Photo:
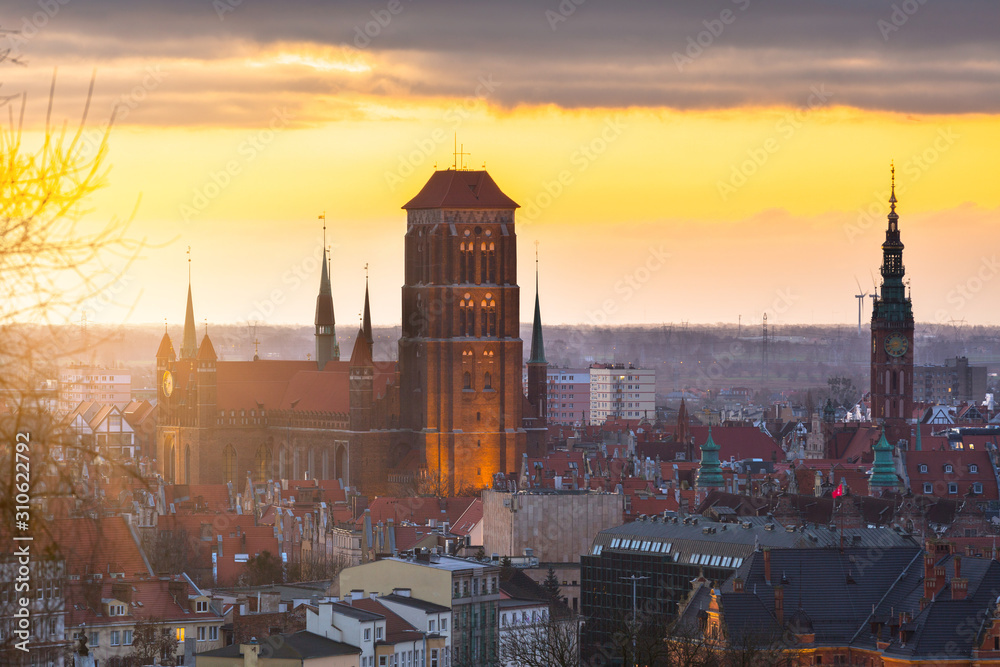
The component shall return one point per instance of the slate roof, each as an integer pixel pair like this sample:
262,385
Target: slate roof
417,603
296,646
837,589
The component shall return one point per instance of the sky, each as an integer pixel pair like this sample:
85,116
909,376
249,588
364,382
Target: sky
675,162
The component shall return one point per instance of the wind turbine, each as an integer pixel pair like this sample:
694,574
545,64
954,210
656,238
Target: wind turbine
861,302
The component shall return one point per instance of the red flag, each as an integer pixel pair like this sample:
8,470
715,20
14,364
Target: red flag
839,491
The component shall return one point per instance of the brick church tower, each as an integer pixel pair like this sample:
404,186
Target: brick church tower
892,338
460,354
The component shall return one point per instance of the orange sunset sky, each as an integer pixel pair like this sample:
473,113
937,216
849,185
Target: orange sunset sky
698,162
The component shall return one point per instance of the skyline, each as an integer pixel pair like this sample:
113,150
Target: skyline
751,176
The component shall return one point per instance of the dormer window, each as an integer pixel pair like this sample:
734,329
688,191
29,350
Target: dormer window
948,468
201,606
923,468
973,468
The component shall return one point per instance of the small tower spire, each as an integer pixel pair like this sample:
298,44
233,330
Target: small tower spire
327,348
366,322
537,344
189,343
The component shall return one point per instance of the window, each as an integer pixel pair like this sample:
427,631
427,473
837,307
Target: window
444,624
977,488
383,660
948,468
430,625
213,633
923,468
952,487
201,633
368,634
95,638
928,487
127,637
973,468
467,381
434,658
201,605
180,635
115,636
378,632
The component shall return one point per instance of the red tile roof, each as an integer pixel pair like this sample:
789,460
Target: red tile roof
151,598
469,518
95,545
396,628
460,189
960,461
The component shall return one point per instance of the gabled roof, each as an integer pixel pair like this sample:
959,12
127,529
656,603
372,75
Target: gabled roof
97,545
460,189
396,628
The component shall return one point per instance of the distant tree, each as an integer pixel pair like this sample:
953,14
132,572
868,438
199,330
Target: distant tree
551,584
505,561
262,570
548,643
153,642
842,391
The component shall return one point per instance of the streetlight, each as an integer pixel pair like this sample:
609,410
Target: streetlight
635,629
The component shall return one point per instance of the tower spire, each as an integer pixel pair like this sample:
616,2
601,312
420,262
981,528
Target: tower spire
327,348
537,344
189,343
366,323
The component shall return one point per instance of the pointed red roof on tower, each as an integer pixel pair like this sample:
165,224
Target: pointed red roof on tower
362,354
207,351
460,189
166,349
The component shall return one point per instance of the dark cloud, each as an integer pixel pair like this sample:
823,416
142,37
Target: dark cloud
930,56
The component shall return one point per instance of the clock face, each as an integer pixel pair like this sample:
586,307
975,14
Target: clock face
896,345
168,383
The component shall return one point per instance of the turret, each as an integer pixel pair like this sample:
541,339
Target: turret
538,370
327,348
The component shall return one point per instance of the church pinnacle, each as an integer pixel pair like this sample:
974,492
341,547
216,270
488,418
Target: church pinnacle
189,343
327,348
537,345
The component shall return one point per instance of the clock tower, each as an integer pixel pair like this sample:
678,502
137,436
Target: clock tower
892,338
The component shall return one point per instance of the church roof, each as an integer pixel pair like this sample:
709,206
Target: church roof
460,189
206,352
166,349
362,354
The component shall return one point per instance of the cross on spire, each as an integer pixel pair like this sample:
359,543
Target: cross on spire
459,153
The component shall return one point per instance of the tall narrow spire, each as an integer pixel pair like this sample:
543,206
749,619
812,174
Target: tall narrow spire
327,348
709,468
189,343
366,323
537,345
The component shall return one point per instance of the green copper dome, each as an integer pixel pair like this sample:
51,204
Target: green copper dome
884,470
709,470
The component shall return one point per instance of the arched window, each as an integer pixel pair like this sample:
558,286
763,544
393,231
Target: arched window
487,381
491,263
262,464
483,264
467,380
461,318
470,318
489,316
465,261
229,464
187,464
484,322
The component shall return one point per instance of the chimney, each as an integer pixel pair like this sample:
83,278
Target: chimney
767,565
959,585
737,585
779,605
250,652
958,567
